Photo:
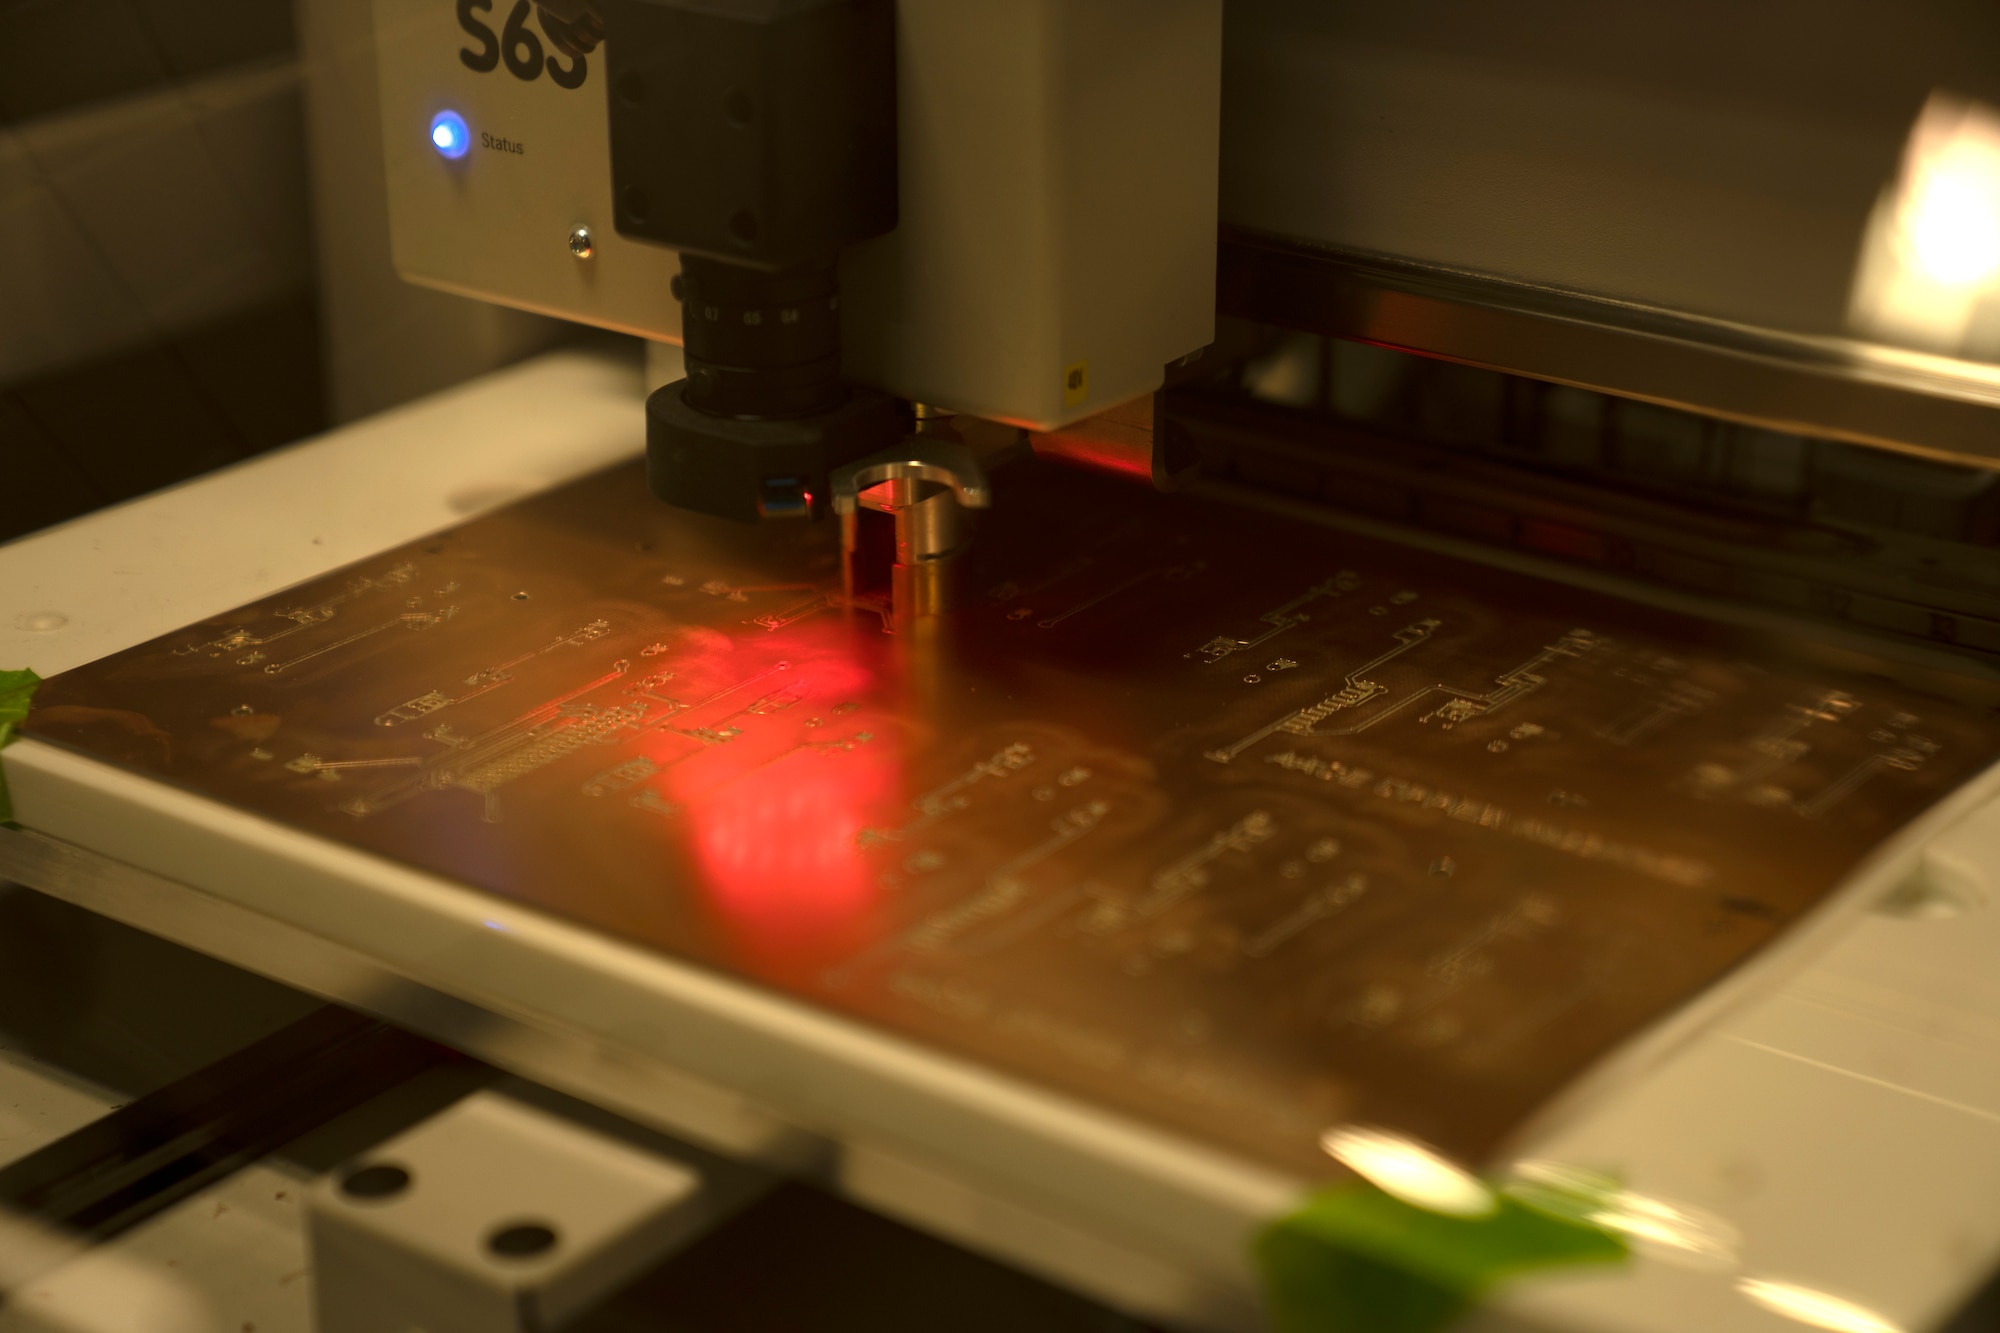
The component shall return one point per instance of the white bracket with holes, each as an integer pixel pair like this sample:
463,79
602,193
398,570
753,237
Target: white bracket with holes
491,1217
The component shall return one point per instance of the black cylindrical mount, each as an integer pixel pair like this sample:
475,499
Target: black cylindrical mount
757,138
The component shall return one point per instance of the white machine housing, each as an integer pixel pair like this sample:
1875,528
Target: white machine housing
1057,196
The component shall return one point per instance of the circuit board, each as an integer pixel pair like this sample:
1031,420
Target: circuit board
1238,824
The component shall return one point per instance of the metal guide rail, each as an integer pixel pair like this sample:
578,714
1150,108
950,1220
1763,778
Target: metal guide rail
1227,821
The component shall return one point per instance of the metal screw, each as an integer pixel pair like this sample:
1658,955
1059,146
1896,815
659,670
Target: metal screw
580,243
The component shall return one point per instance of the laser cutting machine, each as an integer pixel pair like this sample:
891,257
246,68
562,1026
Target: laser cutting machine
1420,754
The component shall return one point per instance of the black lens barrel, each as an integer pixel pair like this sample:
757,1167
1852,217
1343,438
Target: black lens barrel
761,345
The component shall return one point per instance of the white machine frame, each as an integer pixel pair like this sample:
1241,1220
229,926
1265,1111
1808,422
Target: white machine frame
1057,185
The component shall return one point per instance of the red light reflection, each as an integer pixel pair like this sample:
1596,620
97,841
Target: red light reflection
1106,454
775,812
780,853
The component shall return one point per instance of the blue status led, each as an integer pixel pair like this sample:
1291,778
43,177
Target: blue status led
450,136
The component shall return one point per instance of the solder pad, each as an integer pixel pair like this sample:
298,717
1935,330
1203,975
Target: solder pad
1232,822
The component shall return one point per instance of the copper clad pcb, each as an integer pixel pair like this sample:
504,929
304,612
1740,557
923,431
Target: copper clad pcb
1234,823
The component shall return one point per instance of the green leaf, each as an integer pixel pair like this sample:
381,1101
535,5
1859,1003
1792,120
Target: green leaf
1356,1260
17,694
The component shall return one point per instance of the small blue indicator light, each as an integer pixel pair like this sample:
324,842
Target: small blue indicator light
450,136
